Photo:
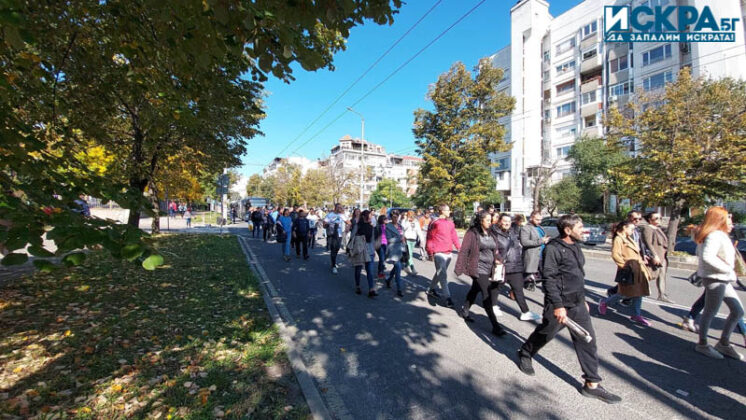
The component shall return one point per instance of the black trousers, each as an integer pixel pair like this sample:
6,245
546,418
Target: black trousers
312,239
333,242
516,281
268,228
489,291
587,352
301,242
257,229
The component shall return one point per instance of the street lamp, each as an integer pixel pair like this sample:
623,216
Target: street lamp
362,153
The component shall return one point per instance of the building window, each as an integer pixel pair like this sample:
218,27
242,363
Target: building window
656,55
588,54
566,45
618,64
566,109
546,115
567,131
565,67
563,151
623,88
547,56
566,87
546,75
588,97
657,81
590,121
502,164
590,28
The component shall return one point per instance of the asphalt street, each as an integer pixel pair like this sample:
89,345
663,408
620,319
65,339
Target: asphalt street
411,357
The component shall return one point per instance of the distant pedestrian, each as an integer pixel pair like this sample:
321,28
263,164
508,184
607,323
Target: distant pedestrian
335,223
564,286
477,258
301,230
188,217
632,274
313,219
716,266
362,252
234,214
284,226
381,244
412,234
441,239
395,251
256,218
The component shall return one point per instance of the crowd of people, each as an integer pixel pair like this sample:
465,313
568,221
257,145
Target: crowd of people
500,252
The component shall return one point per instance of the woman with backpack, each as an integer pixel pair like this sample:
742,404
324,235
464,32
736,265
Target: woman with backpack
632,275
362,252
478,259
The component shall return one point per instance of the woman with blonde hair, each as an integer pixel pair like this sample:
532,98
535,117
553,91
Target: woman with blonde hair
716,266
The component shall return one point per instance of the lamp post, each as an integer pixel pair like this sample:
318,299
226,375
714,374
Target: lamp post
362,153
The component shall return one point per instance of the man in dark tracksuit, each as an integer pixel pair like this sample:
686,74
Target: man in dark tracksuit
564,297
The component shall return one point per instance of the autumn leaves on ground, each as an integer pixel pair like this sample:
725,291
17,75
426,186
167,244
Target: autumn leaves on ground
110,340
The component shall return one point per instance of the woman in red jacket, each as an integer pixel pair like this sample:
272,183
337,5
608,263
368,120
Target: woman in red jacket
477,259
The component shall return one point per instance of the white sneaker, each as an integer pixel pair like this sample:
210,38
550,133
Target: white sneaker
497,311
530,316
728,351
334,270
689,325
708,351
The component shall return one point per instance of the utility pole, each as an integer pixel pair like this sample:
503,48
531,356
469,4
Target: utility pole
362,154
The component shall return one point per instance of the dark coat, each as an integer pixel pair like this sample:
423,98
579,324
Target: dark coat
509,246
563,274
468,256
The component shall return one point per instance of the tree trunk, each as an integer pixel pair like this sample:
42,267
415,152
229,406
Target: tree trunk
155,226
136,185
673,223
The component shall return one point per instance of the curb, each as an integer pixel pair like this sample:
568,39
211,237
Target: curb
316,404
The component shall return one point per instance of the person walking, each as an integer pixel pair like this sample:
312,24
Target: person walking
656,241
268,224
716,266
689,322
284,227
335,223
395,250
533,239
564,297
301,231
362,252
380,245
313,219
256,219
441,239
510,251
635,217
412,233
188,217
478,258
632,274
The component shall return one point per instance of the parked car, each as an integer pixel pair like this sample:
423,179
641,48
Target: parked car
592,234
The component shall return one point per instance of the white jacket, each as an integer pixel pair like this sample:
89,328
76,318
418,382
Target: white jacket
717,257
412,231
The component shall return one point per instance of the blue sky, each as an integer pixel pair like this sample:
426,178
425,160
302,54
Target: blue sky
388,111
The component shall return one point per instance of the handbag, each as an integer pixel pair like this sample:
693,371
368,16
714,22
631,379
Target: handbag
624,276
498,275
695,279
740,265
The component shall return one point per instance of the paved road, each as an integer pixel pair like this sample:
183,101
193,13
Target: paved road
391,358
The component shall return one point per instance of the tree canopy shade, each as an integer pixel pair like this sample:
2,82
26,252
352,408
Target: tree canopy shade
457,137
388,194
154,84
690,145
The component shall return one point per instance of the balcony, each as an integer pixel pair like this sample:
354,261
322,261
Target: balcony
591,39
591,63
594,131
590,109
590,84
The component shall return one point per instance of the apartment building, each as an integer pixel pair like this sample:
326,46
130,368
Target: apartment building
564,76
353,154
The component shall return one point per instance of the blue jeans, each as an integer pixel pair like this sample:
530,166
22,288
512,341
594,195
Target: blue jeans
381,259
396,272
636,303
368,272
286,247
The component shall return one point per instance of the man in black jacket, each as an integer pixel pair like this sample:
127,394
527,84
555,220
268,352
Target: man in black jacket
564,297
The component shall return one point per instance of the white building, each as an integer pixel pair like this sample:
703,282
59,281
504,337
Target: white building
304,163
564,76
352,154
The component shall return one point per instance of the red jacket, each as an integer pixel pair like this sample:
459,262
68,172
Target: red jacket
441,237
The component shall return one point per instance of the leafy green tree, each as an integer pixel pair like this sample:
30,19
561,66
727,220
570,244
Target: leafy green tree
148,81
593,159
457,137
563,196
316,187
254,186
690,145
288,188
388,194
